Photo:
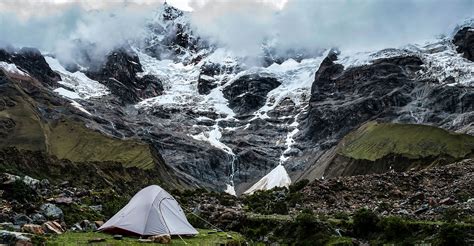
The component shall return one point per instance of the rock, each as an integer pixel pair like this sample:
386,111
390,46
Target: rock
6,226
31,61
119,74
419,196
118,237
96,240
229,236
76,227
447,201
248,93
38,218
44,183
9,178
11,238
422,209
34,229
87,225
464,41
97,208
145,240
63,200
53,227
64,184
98,223
23,242
51,211
21,219
163,239
31,182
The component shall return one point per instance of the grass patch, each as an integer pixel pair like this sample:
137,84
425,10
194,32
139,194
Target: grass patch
68,139
203,238
374,141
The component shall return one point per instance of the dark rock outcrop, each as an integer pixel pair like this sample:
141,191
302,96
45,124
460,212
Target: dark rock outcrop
119,74
32,62
343,99
206,80
249,92
464,41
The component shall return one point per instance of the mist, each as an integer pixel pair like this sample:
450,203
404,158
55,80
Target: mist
313,24
242,26
75,32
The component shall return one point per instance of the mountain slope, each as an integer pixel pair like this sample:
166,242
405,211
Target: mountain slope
383,147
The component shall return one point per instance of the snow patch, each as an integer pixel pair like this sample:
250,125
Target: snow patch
82,86
230,190
67,93
278,177
80,107
11,68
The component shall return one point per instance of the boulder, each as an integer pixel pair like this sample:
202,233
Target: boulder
31,182
88,225
9,178
38,218
63,200
53,227
33,229
44,183
118,237
163,239
51,211
21,219
98,223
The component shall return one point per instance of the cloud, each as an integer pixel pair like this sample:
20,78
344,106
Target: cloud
59,26
313,24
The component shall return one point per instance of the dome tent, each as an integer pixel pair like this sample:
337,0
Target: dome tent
152,211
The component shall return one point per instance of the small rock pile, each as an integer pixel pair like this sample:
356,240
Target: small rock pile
32,207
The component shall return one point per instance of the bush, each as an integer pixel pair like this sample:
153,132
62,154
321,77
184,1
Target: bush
365,222
451,215
450,234
73,213
111,205
298,185
19,191
394,227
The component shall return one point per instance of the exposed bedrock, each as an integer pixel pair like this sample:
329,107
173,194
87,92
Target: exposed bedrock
464,41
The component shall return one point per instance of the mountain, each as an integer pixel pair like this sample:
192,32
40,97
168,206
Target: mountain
194,114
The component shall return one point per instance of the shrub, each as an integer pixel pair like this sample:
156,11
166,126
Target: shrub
298,185
19,191
451,214
450,234
394,227
112,204
365,222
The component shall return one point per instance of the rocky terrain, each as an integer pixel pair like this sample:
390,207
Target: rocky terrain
43,207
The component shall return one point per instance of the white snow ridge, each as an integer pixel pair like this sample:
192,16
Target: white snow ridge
278,177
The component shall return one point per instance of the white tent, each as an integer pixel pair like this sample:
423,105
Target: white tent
152,211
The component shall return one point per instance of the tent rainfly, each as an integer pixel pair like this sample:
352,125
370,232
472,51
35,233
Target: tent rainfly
152,211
